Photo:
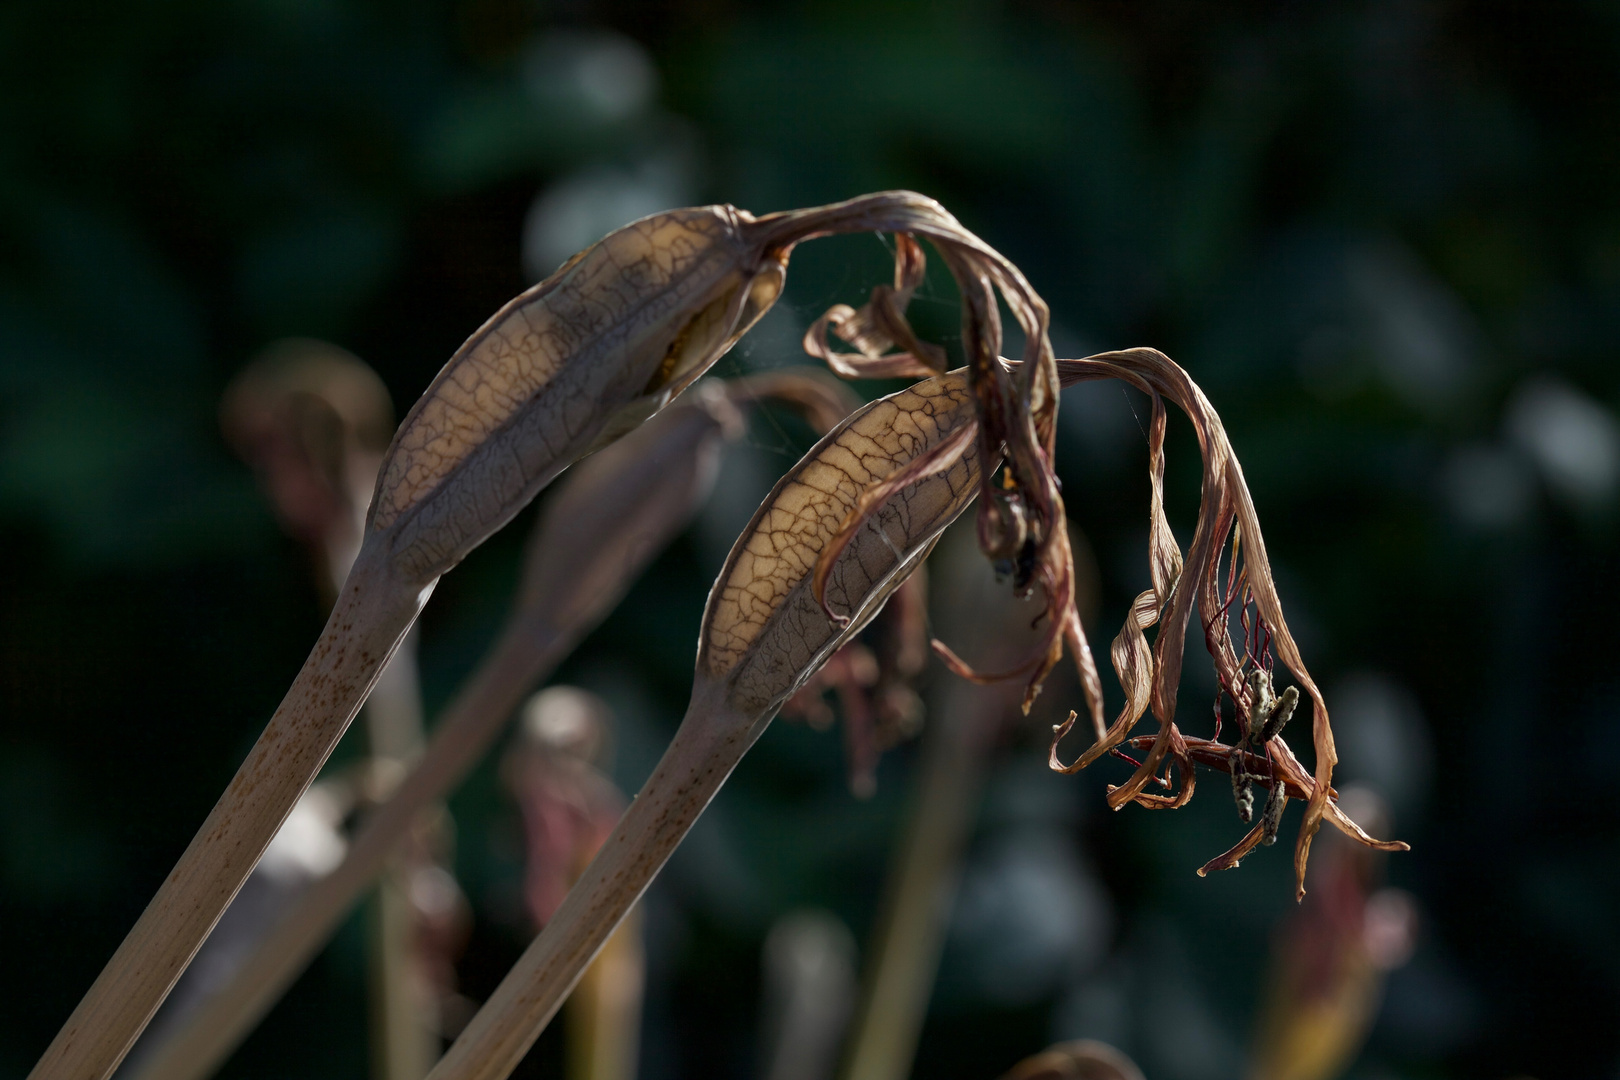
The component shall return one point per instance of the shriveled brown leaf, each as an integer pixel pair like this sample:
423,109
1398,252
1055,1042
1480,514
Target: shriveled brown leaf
1228,530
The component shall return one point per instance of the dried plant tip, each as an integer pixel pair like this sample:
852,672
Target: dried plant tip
763,636
1085,1059
312,420
1261,702
1004,529
573,363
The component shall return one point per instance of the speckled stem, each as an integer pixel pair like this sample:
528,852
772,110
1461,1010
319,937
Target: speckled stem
372,615
470,724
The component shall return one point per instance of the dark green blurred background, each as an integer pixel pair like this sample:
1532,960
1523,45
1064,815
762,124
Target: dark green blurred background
1384,237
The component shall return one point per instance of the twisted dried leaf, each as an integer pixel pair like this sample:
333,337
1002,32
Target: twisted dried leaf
764,634
1227,526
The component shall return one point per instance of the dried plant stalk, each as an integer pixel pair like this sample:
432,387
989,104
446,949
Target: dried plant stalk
906,946
763,635
604,1017
367,623
313,420
567,366
612,515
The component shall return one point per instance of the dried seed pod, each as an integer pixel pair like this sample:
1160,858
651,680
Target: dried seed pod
1242,786
765,630
567,366
1271,817
764,633
1086,1059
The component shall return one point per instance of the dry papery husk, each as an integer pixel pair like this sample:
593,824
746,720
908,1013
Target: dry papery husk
1229,529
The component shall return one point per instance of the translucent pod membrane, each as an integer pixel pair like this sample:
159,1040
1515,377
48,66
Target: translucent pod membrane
764,633
564,368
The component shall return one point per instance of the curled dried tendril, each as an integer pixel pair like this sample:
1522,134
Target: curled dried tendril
879,327
1228,531
1020,498
1020,507
1021,515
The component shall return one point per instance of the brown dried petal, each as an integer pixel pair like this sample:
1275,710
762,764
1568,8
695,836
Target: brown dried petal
879,327
1226,513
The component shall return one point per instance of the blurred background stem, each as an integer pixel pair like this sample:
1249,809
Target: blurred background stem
922,884
404,1027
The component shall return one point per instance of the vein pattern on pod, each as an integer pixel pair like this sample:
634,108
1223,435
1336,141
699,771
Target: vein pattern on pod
764,633
574,363
571,364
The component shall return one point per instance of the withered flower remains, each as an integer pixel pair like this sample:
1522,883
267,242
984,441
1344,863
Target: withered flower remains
601,345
